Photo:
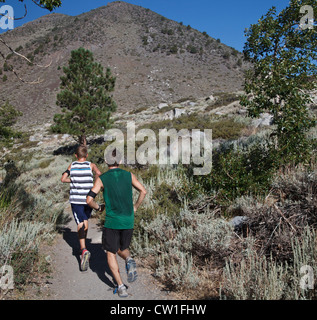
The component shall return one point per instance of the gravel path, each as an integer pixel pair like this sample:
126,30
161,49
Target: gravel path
69,283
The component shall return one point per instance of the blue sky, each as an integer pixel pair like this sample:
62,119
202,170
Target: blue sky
225,20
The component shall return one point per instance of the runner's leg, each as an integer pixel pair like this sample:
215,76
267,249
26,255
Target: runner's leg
114,267
82,234
124,254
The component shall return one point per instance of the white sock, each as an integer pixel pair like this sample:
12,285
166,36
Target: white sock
121,285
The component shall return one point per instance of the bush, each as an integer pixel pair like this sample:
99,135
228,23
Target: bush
226,55
180,238
145,40
5,67
184,240
180,230
178,271
166,189
19,48
259,278
223,128
240,172
192,49
254,278
30,212
167,31
290,209
19,247
174,49
223,99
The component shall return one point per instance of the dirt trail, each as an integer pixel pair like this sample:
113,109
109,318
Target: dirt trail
69,283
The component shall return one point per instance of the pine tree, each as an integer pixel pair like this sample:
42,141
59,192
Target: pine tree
85,97
8,117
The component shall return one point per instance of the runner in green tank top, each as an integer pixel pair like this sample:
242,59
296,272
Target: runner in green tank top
118,228
117,193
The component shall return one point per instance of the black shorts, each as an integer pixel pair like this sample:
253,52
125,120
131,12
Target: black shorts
115,239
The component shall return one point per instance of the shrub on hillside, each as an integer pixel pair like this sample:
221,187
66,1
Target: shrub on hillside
19,243
223,128
240,172
30,210
257,277
183,242
191,243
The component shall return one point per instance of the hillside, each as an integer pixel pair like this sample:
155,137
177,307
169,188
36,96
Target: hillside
154,59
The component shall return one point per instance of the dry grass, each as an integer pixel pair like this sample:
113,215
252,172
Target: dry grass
30,211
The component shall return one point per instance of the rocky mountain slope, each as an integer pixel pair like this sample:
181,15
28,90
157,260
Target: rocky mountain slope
155,59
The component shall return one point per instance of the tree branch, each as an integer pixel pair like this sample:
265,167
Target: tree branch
12,18
22,56
17,75
25,58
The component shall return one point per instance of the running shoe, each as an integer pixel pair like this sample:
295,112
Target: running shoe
122,292
131,270
84,260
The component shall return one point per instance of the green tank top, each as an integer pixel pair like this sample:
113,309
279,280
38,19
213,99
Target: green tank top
118,199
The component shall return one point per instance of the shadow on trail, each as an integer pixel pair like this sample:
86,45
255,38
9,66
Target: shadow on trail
98,260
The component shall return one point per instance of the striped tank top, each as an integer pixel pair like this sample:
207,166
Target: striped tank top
81,178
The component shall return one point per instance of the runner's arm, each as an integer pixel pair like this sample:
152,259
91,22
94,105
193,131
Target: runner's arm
65,177
138,185
95,169
95,189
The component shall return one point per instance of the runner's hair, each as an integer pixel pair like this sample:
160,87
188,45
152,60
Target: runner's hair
81,152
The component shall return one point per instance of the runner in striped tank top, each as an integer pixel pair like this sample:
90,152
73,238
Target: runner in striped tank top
80,176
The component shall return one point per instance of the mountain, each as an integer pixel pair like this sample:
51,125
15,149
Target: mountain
154,59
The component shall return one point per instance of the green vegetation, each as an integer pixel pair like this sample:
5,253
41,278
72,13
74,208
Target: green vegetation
145,40
174,49
226,55
8,117
224,128
45,4
85,98
192,49
240,172
184,225
222,99
279,82
268,178
167,31
30,213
